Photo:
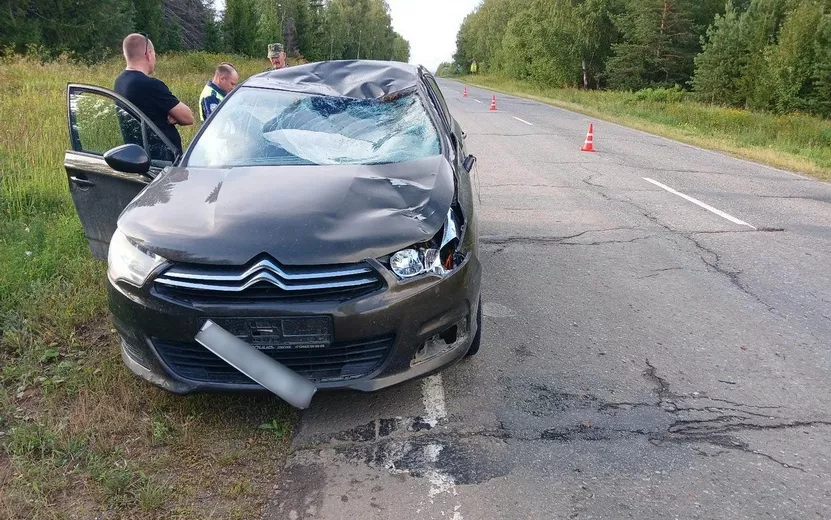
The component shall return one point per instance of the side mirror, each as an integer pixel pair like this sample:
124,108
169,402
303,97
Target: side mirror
469,162
128,158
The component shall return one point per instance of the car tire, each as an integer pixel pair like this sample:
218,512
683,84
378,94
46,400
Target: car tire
477,339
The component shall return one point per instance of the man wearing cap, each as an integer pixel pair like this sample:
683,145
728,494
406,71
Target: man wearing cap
277,56
224,80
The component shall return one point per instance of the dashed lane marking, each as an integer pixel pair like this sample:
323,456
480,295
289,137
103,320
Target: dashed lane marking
432,395
435,411
697,202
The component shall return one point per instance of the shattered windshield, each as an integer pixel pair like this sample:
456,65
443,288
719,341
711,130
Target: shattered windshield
258,127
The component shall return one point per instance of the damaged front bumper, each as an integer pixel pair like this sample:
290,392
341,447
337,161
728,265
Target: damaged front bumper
262,369
428,324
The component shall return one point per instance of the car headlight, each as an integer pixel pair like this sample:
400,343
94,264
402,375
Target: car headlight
434,257
129,262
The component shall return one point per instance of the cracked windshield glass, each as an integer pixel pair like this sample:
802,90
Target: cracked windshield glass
277,128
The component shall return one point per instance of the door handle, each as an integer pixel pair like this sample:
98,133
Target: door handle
86,183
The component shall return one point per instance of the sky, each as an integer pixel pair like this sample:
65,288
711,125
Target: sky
430,26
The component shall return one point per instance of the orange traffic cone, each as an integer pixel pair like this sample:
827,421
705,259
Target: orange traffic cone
465,93
588,146
493,102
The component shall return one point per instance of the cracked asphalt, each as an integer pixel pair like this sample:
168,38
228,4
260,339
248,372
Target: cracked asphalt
642,357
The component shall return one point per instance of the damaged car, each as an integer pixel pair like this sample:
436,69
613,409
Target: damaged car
318,233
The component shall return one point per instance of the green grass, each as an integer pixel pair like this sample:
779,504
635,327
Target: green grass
79,435
795,142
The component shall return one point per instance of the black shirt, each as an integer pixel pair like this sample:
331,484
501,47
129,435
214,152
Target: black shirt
152,97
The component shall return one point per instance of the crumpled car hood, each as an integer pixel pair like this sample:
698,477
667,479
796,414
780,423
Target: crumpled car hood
300,215
356,79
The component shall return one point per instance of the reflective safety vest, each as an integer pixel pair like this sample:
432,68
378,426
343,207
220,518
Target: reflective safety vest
209,99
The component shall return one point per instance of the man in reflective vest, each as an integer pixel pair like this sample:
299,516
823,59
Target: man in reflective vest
224,80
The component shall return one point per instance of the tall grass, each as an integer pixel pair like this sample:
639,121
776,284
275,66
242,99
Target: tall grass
34,135
80,435
797,142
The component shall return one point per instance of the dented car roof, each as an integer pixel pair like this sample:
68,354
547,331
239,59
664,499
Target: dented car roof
357,79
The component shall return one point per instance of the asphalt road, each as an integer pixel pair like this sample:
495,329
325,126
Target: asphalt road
643,356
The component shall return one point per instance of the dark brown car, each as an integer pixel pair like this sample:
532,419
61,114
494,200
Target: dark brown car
323,214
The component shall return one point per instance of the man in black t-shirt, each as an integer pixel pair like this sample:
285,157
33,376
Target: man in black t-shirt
149,94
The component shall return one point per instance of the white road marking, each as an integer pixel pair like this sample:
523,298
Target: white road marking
432,395
435,410
697,202
523,121
474,99
440,482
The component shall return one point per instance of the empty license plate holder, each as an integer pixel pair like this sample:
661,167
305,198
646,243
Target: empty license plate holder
280,333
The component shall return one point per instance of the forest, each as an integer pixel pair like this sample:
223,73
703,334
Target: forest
310,30
772,55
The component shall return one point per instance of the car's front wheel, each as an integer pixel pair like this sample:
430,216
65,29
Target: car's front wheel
477,339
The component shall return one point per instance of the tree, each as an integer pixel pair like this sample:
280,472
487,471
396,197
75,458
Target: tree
561,42
720,65
594,37
314,40
361,28
84,29
659,44
148,20
539,45
308,29
240,24
185,22
400,49
791,60
171,37
759,27
819,99
213,33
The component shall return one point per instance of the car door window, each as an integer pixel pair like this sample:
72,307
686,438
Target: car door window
439,98
100,122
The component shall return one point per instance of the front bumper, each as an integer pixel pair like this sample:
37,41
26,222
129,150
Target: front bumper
412,313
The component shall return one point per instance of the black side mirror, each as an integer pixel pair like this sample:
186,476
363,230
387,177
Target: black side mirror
469,162
128,158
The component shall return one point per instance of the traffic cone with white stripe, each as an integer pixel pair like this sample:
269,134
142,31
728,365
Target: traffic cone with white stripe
464,94
493,102
588,146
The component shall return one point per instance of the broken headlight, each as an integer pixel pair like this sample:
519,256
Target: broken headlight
434,257
129,262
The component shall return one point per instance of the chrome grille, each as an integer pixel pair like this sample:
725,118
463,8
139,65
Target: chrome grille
267,278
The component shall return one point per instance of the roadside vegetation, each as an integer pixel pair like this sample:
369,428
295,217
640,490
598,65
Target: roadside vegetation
797,142
772,55
750,77
80,436
311,30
